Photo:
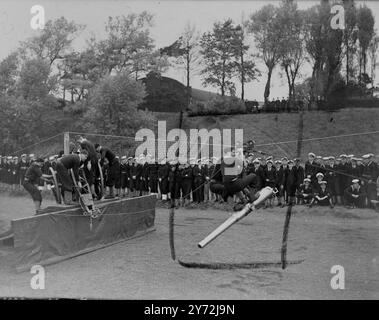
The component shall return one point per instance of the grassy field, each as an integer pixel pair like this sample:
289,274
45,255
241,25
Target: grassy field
278,133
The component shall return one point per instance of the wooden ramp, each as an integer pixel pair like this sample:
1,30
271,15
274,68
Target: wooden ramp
60,233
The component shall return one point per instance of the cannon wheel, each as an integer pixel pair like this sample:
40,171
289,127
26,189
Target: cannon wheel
57,190
102,186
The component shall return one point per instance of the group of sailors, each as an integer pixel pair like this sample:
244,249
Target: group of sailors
345,180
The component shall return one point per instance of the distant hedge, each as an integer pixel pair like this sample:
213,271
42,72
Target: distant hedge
217,106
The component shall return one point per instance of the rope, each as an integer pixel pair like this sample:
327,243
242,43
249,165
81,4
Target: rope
321,138
37,143
231,145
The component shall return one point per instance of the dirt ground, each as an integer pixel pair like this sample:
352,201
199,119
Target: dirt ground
142,268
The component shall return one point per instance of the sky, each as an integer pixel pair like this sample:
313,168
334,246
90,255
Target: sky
170,18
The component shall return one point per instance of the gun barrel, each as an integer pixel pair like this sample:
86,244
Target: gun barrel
225,225
264,194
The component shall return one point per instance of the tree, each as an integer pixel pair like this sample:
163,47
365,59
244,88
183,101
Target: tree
350,37
317,29
112,106
8,73
366,23
373,52
53,40
129,47
246,68
266,30
34,82
292,51
218,50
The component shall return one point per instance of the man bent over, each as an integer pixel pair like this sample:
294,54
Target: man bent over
32,176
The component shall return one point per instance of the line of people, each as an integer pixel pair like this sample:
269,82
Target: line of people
345,180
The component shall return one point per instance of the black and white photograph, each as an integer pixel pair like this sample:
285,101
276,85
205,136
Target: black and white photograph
183,150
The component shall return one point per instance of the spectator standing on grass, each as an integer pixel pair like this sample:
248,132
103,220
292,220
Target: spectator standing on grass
370,175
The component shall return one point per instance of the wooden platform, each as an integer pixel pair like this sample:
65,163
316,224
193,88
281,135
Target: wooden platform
62,232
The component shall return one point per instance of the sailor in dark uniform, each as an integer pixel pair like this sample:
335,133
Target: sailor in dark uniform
133,171
153,176
187,179
32,176
173,182
282,177
270,179
369,175
299,173
198,182
343,175
64,164
124,176
310,167
163,172
355,195
305,192
331,178
111,173
290,183
91,169
117,178
22,167
322,196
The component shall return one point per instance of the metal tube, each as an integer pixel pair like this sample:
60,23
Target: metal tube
263,195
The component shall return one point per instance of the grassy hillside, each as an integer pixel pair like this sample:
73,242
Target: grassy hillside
274,129
277,133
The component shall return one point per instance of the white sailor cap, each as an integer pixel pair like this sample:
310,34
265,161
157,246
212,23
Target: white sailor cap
284,159
307,180
256,160
31,155
366,156
350,156
51,158
343,156
355,181
325,158
332,158
319,174
123,158
269,161
323,182
311,154
318,157
9,158
23,155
